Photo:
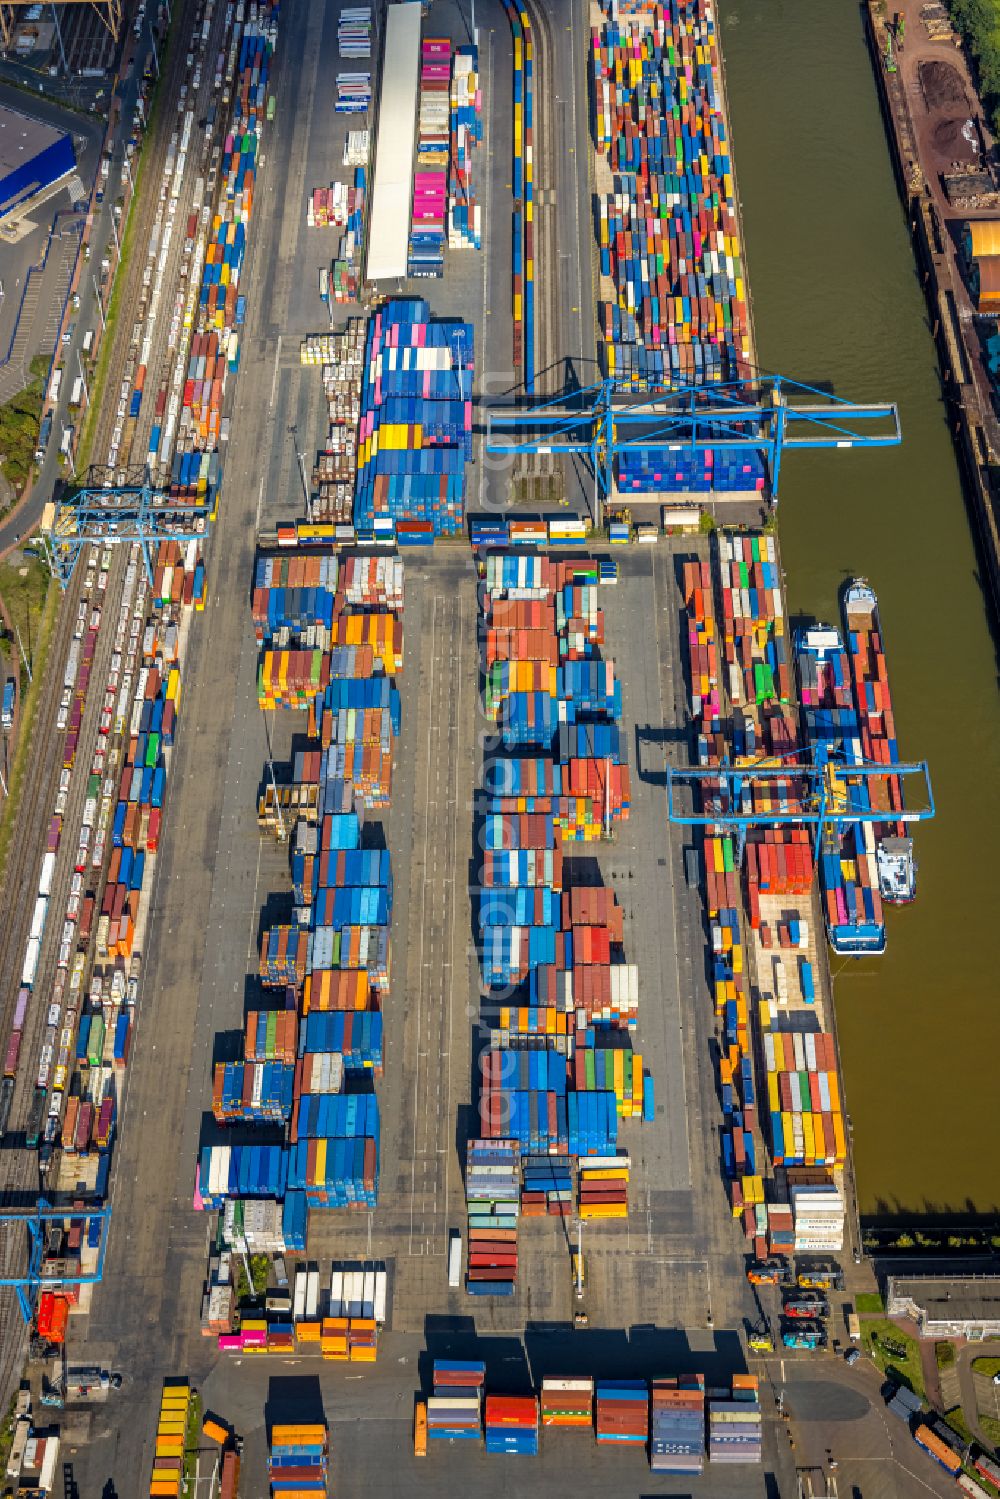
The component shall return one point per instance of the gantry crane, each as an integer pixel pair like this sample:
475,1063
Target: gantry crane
772,416
38,1273
824,803
114,506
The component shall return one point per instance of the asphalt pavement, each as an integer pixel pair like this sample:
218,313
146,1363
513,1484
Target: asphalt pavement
665,1290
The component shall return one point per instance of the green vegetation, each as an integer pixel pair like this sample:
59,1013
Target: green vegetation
894,1352
987,1366
32,600
24,586
869,1303
260,1271
979,23
706,523
7,1434
944,1355
192,1438
956,1420
990,1428
20,419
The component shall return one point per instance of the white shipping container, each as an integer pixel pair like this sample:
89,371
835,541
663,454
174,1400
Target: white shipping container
336,1292
30,967
381,1295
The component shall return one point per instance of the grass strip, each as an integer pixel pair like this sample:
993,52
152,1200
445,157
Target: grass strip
29,707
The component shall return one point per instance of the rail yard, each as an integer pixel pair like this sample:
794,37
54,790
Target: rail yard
420,905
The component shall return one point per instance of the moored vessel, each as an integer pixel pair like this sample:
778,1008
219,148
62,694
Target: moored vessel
852,905
895,862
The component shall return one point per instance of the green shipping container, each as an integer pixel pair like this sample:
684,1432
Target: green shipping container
95,1041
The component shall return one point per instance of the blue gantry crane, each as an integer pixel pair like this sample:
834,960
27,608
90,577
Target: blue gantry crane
822,800
773,416
119,507
35,1222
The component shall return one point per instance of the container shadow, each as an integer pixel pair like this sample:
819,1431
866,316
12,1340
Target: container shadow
557,1349
293,1398
649,738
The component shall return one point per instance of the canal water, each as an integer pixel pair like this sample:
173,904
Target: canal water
836,299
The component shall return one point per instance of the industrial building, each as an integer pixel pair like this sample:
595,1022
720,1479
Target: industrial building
966,1306
33,156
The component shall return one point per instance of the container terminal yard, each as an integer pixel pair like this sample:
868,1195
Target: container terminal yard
444,834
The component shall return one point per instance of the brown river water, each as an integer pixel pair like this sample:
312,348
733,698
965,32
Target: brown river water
836,299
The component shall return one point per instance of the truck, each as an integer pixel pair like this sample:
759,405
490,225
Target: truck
455,1259
804,1307
853,1327
824,1277
772,1272
44,433
806,1335
7,716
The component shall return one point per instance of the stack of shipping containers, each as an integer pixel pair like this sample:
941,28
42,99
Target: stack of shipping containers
510,1423
675,308
524,192
193,433
465,226
331,633
677,1424
298,1459
735,1424
677,1418
425,254
171,1439
847,864
454,1410
777,1062
560,1070
340,357
415,436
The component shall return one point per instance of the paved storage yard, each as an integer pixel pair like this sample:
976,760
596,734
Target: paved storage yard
670,1265
665,1289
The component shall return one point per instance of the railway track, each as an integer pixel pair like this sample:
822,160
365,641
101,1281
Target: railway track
167,361
130,273
17,899
548,343
20,1180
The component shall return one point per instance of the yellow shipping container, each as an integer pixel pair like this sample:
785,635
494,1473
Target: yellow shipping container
838,1135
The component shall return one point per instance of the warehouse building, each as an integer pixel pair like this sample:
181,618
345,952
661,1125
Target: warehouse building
33,156
966,1306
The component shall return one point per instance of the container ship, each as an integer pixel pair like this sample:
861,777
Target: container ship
897,869
852,905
